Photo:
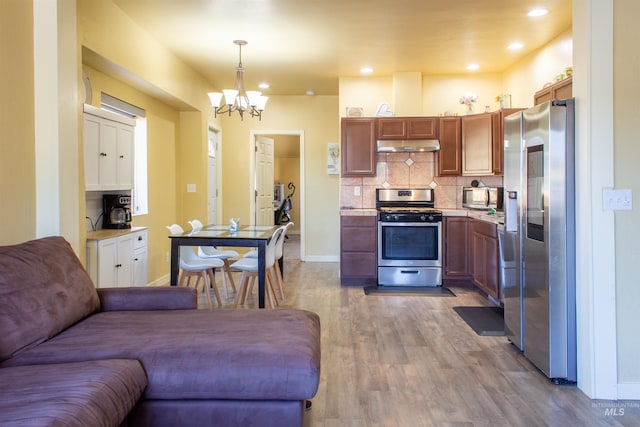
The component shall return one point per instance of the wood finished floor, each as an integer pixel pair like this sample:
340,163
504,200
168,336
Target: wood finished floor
397,361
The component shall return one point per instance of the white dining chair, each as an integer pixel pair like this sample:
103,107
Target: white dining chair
192,265
249,268
208,252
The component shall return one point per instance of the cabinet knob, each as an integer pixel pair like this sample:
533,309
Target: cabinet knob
139,238
103,154
118,265
122,156
135,259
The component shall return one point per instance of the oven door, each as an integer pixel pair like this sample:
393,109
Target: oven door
414,244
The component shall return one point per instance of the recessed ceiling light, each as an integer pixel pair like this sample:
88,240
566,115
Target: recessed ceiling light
515,46
263,85
366,70
537,12
473,67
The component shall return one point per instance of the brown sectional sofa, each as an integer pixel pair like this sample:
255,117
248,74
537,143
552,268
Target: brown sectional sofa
200,367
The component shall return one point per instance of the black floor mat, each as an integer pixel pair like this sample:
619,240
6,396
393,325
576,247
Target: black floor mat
425,291
485,321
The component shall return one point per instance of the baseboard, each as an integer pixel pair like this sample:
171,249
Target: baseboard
321,258
629,391
161,281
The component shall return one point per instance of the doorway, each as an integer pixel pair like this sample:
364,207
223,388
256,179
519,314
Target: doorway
288,166
213,180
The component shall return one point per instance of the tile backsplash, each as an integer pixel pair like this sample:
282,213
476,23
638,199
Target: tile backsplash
408,170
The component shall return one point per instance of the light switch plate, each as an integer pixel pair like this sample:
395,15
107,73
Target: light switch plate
191,188
356,191
617,200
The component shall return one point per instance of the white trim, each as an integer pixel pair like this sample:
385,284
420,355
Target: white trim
629,391
301,190
595,231
219,204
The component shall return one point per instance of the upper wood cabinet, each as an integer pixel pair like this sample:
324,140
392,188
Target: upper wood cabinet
450,154
560,90
477,148
408,128
358,147
498,138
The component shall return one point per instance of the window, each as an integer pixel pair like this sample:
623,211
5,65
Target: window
140,195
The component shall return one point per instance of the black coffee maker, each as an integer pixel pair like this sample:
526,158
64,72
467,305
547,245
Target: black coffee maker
116,211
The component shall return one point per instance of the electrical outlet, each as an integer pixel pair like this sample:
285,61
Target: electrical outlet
617,200
356,191
191,188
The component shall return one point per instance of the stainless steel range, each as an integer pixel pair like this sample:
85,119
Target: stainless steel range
409,238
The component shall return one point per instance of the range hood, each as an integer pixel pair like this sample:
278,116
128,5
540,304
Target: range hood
407,145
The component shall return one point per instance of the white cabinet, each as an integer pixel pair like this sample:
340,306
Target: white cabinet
118,261
108,150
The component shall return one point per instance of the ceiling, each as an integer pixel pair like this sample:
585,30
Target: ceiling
302,45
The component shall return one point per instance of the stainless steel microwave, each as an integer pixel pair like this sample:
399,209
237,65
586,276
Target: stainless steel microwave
482,198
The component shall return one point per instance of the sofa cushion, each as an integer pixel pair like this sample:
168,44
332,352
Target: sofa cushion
200,354
43,290
99,393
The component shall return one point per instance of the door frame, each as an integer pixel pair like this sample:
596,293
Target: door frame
301,187
217,129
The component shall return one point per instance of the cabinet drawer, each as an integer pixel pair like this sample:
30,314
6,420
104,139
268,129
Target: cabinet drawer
358,239
359,221
140,240
485,228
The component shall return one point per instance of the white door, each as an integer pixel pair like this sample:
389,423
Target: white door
212,197
264,181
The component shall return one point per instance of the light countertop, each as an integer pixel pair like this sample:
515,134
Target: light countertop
110,233
497,218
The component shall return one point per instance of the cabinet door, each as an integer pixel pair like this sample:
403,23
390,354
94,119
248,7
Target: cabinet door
140,266
92,158
543,95
358,157
125,260
125,156
450,154
497,157
107,263
477,145
109,154
456,243
392,128
563,89
422,128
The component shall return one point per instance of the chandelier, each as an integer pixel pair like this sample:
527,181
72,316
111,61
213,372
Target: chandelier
237,99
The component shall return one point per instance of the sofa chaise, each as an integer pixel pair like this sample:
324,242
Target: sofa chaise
143,356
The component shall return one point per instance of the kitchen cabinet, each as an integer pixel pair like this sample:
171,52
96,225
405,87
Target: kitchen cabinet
497,157
455,255
450,154
108,150
560,90
477,148
358,250
483,257
408,128
118,261
358,147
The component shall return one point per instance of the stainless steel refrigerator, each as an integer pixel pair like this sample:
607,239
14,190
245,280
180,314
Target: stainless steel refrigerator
537,245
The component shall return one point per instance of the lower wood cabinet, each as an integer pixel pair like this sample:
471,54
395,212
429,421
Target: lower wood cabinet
118,261
483,257
358,250
455,256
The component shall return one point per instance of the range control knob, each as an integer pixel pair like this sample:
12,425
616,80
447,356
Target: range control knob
423,217
395,217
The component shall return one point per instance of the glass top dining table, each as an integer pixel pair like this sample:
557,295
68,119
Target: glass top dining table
256,236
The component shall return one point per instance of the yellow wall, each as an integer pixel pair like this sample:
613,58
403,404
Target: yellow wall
317,117
163,122
530,74
17,146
